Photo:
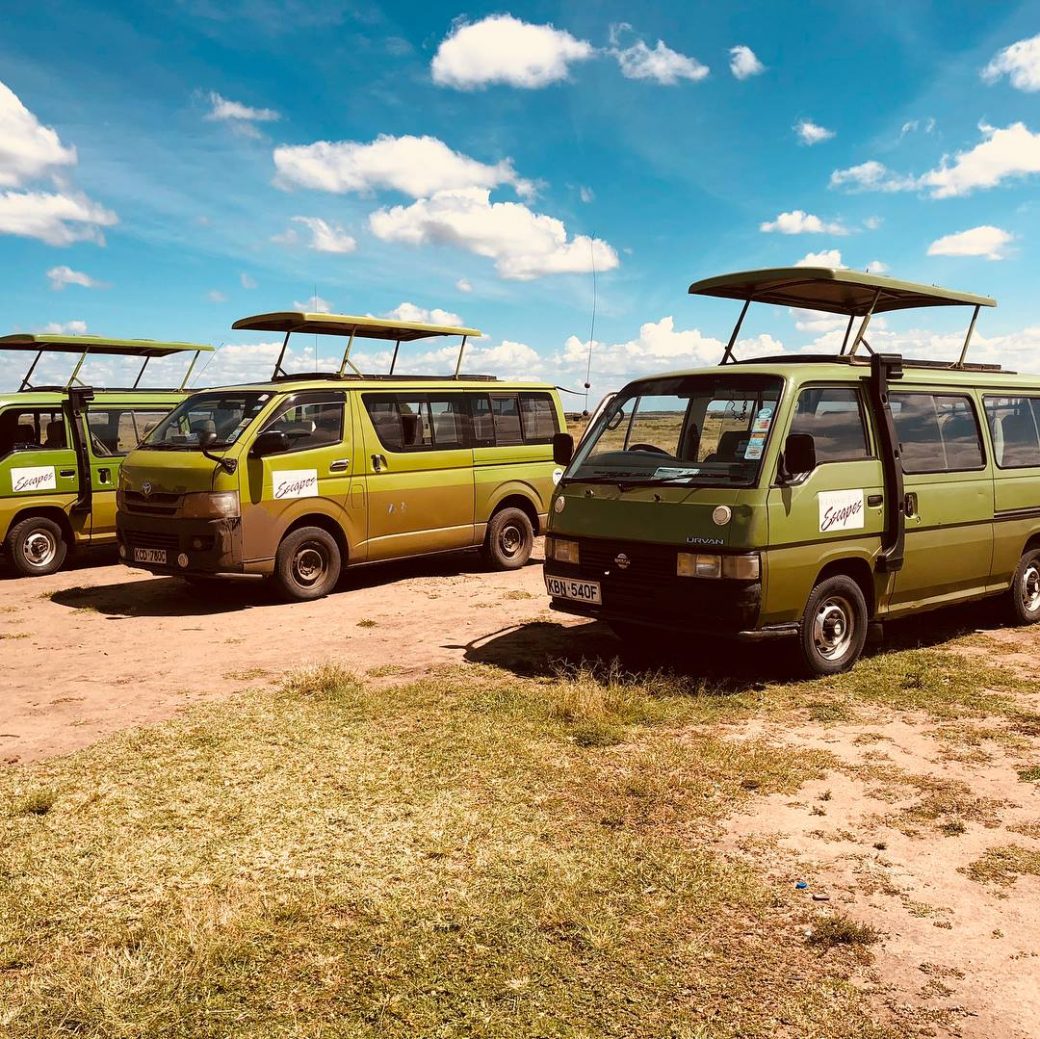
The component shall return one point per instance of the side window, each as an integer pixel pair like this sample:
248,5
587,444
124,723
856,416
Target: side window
483,420
833,417
144,422
448,417
407,422
1013,429
506,413
539,418
117,431
937,432
308,420
26,430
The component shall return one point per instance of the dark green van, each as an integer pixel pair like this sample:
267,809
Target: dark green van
804,496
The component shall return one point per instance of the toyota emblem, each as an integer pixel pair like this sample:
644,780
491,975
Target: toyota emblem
622,561
146,489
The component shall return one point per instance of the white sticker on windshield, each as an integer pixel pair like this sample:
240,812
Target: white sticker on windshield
33,478
762,424
755,446
841,510
295,483
673,473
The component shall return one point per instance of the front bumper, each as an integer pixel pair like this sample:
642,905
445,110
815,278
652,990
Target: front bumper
211,545
648,591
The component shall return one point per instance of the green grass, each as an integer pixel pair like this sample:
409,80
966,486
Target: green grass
454,860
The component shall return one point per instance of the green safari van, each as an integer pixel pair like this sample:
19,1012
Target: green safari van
800,495
297,477
61,447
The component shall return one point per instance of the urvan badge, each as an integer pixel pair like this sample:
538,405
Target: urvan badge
295,483
841,510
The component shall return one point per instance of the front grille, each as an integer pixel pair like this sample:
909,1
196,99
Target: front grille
646,562
158,503
150,539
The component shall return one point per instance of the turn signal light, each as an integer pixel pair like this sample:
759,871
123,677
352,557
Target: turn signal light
562,550
747,567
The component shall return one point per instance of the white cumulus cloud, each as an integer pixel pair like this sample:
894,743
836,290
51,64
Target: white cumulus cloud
54,218
1020,63
744,63
325,237
659,63
71,328
415,166
987,241
799,222
504,49
812,133
464,285
27,149
313,305
423,315
826,258
223,110
870,176
877,267
61,276
523,244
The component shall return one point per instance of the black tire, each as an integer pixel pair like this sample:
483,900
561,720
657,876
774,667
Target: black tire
834,627
307,565
1023,597
36,547
509,540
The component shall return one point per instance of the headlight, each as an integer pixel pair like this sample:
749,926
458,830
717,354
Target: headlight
562,550
204,505
746,567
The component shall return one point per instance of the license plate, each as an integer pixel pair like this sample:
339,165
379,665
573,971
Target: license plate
150,555
572,588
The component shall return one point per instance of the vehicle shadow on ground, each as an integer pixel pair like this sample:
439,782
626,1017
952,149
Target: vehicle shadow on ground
174,597
81,559
545,648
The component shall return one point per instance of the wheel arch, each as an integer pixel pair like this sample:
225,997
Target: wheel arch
858,570
51,512
326,523
518,500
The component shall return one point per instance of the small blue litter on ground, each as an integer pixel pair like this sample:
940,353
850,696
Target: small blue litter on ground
801,885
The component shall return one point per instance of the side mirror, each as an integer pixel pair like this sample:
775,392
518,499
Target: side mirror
563,448
207,438
272,442
799,454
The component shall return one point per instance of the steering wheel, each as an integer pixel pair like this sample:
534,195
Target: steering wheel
649,447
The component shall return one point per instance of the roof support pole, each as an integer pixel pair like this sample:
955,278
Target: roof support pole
141,372
74,377
727,354
28,375
967,338
346,355
278,369
865,323
393,360
848,331
462,350
187,374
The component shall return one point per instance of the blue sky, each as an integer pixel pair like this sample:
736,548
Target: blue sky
162,171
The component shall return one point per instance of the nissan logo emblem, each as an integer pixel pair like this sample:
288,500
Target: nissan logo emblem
622,561
146,489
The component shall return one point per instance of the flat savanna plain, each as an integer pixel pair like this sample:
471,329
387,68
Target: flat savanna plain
426,806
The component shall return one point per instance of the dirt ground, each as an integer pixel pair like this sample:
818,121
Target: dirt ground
100,648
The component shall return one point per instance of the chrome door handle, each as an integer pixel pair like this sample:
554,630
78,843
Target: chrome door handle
67,472
341,465
379,463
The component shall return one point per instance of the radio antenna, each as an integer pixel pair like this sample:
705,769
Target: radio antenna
315,334
202,371
592,330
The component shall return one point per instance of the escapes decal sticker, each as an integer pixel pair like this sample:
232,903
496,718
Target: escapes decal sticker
33,478
295,483
841,510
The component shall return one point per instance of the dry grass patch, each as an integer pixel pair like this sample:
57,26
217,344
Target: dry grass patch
1004,865
327,860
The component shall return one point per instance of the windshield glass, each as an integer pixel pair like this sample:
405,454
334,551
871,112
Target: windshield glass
224,412
688,429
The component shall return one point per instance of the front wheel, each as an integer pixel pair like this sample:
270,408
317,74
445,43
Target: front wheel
834,627
308,564
36,547
510,538
1024,593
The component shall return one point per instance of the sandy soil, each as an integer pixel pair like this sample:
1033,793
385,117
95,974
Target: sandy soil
102,647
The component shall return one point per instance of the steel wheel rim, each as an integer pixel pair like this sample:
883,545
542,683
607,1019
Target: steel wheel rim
1031,588
833,627
310,564
40,548
511,539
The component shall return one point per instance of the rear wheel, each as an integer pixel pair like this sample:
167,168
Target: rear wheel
37,547
510,538
1024,593
834,627
308,564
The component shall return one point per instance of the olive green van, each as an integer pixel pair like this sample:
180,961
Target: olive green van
297,477
810,496
61,447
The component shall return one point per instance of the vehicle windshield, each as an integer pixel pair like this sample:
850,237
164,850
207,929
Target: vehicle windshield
691,429
226,413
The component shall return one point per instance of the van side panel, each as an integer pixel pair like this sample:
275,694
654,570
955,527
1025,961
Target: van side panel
503,471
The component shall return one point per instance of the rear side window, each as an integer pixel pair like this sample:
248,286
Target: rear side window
309,420
1014,431
538,417
117,431
937,432
833,416
506,411
26,429
418,422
